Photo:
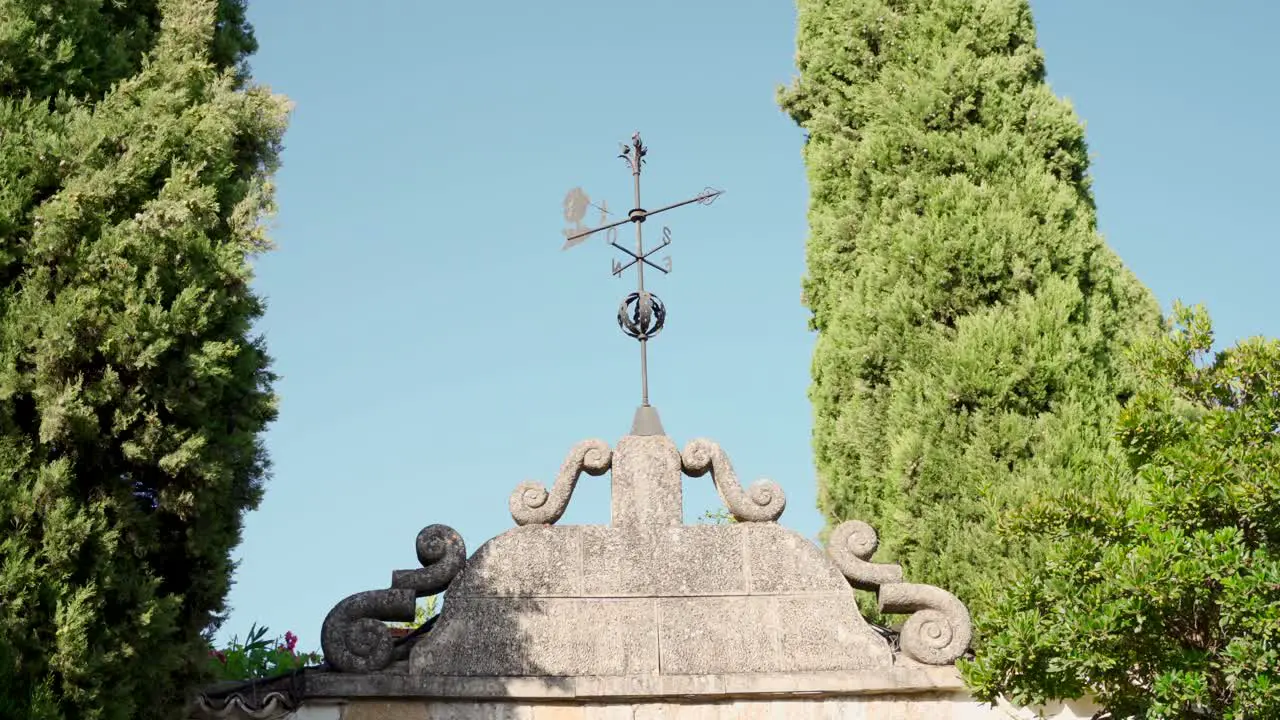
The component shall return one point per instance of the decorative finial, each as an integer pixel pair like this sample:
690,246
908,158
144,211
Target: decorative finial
634,153
641,315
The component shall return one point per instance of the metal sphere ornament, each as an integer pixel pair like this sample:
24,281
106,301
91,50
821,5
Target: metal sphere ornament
642,315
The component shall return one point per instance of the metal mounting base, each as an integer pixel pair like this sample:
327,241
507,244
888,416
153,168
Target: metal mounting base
646,422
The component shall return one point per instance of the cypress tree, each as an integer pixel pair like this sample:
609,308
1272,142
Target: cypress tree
969,317
135,154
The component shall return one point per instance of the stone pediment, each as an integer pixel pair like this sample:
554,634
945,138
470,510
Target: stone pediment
645,596
637,600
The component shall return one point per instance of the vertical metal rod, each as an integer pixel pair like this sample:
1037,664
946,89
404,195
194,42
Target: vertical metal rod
639,221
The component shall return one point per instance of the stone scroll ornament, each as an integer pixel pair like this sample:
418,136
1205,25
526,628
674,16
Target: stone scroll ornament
939,629
355,637
764,501
532,504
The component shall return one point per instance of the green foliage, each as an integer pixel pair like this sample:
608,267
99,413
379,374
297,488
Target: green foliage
80,48
1161,596
425,611
718,516
968,314
135,162
257,657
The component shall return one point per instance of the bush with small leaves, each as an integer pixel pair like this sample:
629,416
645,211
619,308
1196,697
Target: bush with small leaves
1160,597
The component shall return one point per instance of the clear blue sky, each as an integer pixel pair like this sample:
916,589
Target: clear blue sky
437,347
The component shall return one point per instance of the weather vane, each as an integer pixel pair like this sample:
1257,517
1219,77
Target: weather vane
642,314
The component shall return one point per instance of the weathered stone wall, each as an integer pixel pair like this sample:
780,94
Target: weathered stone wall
683,600
940,706
919,693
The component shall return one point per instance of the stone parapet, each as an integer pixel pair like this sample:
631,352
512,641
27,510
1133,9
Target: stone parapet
606,689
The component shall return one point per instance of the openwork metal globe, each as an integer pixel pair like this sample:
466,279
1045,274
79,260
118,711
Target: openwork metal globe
642,315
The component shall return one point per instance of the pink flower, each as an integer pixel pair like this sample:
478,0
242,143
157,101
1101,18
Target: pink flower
218,654
290,641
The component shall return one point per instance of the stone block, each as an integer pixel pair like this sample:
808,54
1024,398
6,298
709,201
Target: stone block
624,711
530,561
389,710
755,710
606,637
648,485
827,633
690,711
781,561
599,686
618,561
482,632
541,637
662,561
702,686
699,560
716,635
838,709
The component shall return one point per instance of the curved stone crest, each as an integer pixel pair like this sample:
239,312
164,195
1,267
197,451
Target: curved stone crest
764,501
355,637
939,629
532,504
